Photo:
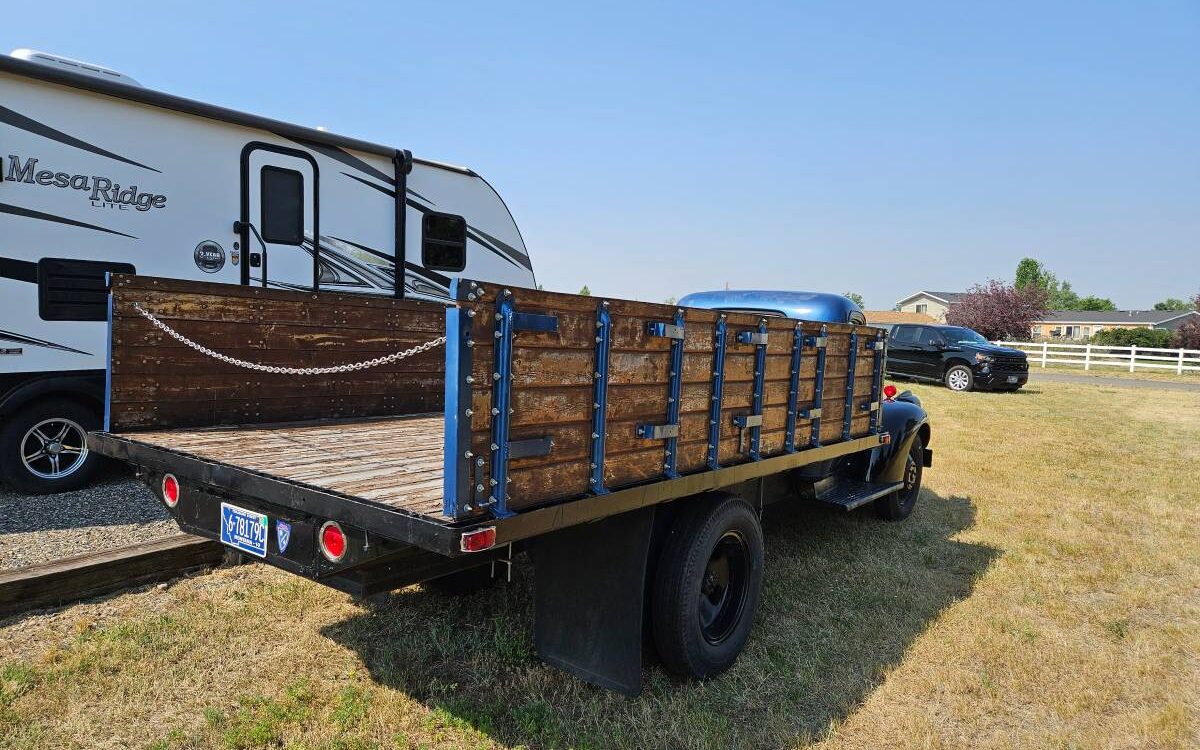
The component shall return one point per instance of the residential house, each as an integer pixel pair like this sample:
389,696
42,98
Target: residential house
1082,324
891,317
934,304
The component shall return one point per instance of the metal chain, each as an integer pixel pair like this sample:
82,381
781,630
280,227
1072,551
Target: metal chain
396,357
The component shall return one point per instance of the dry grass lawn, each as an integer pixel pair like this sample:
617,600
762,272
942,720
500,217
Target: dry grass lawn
1045,594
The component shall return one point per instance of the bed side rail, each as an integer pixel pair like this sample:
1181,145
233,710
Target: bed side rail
551,396
157,381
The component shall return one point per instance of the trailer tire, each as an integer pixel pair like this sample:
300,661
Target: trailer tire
707,585
899,505
62,461
463,582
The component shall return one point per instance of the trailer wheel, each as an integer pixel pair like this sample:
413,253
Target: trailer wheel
707,584
464,582
899,505
43,447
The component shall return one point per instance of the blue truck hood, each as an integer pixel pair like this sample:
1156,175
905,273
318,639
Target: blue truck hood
818,306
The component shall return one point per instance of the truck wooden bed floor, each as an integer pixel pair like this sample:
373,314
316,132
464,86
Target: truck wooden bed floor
395,461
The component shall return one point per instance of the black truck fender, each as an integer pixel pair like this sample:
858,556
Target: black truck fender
904,419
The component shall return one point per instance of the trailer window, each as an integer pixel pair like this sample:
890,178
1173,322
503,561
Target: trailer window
443,242
282,203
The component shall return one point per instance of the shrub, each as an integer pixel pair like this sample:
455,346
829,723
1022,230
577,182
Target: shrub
1149,337
999,311
1187,336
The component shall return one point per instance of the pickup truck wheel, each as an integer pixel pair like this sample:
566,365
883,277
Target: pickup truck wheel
707,585
43,447
899,505
464,582
960,378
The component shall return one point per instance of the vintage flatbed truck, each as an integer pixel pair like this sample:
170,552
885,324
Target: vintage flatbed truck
628,447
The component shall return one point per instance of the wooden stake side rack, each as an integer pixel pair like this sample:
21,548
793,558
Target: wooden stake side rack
538,397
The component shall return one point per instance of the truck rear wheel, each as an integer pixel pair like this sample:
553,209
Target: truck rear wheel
707,585
899,505
43,447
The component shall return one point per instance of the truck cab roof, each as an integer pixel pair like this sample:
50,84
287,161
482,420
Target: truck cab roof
818,306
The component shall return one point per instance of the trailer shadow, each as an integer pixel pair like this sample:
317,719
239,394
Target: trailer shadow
845,595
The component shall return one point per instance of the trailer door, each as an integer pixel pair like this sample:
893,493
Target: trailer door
280,217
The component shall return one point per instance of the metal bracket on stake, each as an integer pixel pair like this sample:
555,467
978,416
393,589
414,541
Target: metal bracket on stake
501,404
718,388
880,347
658,431
674,392
848,412
667,330
600,396
789,438
820,342
759,340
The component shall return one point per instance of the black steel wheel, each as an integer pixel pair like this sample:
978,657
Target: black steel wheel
899,505
43,447
707,584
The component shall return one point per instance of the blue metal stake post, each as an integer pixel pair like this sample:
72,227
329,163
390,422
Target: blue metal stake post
459,462
501,405
600,397
814,411
674,393
880,347
718,387
848,411
754,421
789,439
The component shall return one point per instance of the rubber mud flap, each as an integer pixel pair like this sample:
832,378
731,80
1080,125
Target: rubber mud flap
589,592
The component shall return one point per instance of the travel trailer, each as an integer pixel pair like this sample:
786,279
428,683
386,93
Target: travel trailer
101,175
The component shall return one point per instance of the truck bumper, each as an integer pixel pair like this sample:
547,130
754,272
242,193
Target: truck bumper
371,563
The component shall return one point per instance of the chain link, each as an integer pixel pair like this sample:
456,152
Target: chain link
396,357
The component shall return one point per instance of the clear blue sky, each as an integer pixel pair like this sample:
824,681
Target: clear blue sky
650,150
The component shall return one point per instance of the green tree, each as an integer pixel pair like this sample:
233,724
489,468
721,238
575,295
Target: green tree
1031,273
585,291
1172,303
856,298
1091,302
670,301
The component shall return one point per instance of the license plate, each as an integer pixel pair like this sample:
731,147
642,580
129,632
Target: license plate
244,529
1012,378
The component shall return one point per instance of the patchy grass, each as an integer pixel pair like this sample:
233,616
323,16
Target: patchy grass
1046,593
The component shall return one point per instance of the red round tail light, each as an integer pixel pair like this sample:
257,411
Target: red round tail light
170,490
333,541
889,392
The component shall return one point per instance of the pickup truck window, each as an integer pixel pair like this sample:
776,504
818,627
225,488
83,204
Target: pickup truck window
931,337
904,334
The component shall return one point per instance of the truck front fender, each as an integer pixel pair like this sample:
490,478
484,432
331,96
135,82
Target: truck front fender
904,421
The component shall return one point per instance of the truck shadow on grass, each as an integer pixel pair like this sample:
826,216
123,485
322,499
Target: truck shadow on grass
844,597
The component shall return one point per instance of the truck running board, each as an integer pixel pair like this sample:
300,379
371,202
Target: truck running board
851,493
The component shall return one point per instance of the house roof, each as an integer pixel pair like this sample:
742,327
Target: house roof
947,297
1116,317
892,316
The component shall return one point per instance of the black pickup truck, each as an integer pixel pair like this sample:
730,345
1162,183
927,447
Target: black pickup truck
959,357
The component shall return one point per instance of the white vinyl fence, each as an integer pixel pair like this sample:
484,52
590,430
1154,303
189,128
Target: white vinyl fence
1087,356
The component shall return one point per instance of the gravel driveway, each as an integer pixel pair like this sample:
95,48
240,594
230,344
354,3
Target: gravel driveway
114,512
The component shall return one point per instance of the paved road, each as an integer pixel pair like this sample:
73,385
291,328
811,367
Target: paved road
1062,377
